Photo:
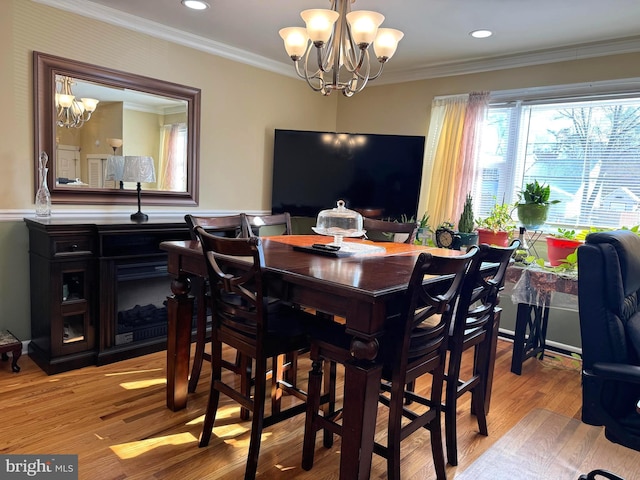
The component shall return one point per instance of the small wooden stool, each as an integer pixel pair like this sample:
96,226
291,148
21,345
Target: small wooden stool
9,343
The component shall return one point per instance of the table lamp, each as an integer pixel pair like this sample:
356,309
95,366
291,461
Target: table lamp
138,169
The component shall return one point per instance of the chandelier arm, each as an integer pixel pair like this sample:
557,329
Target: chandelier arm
308,77
379,71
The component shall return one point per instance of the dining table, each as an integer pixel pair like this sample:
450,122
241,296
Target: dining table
364,288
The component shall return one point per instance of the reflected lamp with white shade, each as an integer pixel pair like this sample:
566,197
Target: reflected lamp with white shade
138,169
114,169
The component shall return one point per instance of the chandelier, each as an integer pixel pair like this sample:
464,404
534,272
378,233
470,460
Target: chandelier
341,38
70,111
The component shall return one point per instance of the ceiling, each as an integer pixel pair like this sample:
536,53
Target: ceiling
436,42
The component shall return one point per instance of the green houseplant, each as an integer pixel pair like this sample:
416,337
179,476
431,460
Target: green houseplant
496,228
424,230
466,224
533,204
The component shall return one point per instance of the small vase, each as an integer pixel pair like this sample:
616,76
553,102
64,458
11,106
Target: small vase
43,197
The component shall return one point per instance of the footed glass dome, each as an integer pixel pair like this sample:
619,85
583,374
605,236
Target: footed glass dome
339,222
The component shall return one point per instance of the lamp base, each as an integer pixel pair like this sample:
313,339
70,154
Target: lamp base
139,217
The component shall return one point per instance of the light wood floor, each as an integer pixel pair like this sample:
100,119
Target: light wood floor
114,417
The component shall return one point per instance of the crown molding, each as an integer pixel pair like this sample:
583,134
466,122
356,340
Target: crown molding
121,19
562,54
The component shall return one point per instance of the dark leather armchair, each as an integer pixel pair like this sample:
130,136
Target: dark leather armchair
609,303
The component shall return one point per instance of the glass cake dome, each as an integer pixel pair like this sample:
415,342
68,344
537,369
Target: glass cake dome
339,222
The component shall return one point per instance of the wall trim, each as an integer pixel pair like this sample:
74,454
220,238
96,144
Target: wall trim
92,214
154,29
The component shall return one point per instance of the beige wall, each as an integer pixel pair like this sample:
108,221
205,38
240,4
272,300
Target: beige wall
241,107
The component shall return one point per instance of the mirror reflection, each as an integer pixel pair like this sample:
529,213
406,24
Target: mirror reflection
95,122
92,121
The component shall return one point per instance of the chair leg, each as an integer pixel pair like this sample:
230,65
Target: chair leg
258,419
214,394
437,449
330,407
276,378
313,404
394,430
451,407
480,367
244,369
201,337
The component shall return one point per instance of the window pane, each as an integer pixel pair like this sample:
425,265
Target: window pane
588,152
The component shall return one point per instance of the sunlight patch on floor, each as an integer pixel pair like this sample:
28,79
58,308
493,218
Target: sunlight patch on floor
135,449
143,383
242,443
133,372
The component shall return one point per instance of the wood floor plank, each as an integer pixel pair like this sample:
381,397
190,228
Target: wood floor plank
114,418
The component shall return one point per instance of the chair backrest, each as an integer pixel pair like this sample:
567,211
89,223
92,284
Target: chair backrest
609,310
280,222
233,226
384,227
424,313
479,293
237,291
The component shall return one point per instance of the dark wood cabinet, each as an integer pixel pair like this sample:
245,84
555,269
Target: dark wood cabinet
97,289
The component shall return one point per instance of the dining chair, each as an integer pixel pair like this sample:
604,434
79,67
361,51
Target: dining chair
387,230
414,345
229,226
474,325
276,224
246,318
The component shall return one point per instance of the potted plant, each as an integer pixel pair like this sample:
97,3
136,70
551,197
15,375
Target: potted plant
496,228
562,244
466,224
424,230
533,204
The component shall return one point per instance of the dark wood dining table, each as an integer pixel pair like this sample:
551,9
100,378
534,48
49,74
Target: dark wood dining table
364,289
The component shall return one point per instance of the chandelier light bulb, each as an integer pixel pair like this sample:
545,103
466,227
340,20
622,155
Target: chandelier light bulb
295,41
319,24
64,100
364,26
89,104
386,43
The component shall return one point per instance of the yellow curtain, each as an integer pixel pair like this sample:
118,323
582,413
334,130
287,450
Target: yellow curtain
451,148
442,154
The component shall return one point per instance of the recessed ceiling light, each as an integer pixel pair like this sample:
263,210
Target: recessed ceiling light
481,33
195,4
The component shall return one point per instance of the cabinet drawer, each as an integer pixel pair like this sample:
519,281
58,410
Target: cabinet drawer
67,246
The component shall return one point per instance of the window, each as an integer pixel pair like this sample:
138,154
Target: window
587,150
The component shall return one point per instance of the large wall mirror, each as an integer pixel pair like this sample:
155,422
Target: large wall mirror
90,120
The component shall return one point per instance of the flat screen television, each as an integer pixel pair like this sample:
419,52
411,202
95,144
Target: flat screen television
376,174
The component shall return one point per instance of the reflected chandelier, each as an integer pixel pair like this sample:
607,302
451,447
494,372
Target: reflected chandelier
71,113
341,38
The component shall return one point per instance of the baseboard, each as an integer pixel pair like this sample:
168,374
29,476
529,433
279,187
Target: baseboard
557,347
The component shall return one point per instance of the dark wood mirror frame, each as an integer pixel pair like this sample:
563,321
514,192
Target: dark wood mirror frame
45,69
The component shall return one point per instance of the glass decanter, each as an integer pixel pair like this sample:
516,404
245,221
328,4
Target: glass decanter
43,196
